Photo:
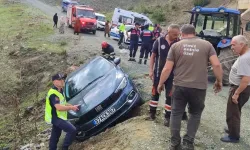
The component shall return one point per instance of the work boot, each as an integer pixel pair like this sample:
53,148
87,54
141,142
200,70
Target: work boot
140,61
177,147
145,61
130,59
185,117
151,116
167,122
186,145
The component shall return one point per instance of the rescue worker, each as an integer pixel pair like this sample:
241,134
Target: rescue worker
157,61
55,19
121,33
134,38
158,27
107,48
56,114
151,28
77,26
107,29
146,37
156,34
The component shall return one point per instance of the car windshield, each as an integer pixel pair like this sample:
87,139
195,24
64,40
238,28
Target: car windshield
87,75
85,13
101,18
216,23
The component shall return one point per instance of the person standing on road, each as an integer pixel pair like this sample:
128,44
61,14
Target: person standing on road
121,33
107,29
146,37
134,39
239,92
55,19
56,114
62,23
190,57
157,61
77,26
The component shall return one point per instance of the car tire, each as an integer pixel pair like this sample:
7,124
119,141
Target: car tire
94,32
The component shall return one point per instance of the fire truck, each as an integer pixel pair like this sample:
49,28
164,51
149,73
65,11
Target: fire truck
86,15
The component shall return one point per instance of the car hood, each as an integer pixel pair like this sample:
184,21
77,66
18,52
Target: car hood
83,19
97,92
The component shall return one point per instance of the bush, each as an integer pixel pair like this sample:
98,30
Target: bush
159,15
201,2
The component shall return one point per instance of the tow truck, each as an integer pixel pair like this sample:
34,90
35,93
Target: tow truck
87,17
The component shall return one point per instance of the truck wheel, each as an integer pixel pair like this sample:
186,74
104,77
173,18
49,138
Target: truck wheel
227,59
94,32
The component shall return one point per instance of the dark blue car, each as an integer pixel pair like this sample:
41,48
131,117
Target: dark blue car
103,91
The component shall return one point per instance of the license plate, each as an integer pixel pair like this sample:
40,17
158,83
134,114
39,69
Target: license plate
105,115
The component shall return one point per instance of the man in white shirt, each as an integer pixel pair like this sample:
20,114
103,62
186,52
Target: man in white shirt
239,93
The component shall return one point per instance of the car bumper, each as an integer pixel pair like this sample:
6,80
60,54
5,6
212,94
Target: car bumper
88,28
123,105
114,36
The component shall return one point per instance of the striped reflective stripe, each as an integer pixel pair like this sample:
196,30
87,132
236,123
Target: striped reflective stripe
159,55
153,103
167,107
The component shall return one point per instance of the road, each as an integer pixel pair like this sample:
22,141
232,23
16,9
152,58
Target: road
213,119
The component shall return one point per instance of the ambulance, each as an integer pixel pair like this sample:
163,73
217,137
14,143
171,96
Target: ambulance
129,17
87,17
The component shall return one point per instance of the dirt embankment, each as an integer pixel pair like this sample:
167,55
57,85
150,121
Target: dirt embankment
134,134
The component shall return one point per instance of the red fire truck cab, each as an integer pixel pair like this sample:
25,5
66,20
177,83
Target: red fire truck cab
87,17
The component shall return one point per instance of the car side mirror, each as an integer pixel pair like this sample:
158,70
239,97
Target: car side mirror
117,61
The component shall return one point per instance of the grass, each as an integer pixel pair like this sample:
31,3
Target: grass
30,28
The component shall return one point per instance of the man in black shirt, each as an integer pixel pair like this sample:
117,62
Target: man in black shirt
157,61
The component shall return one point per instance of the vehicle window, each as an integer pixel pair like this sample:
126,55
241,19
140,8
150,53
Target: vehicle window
101,18
87,75
248,26
139,20
213,23
127,20
85,13
128,27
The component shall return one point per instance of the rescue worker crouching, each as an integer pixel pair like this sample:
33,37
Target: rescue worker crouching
134,38
146,37
56,114
108,50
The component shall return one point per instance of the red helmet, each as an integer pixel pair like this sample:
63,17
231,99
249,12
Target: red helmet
104,44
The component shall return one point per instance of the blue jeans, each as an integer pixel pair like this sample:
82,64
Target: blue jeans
58,126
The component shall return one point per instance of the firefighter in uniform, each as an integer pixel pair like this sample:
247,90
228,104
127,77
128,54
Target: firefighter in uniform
134,38
157,61
56,114
146,37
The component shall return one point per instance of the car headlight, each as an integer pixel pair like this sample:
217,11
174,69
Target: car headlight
122,85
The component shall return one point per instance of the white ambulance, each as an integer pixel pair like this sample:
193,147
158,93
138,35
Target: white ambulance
129,17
